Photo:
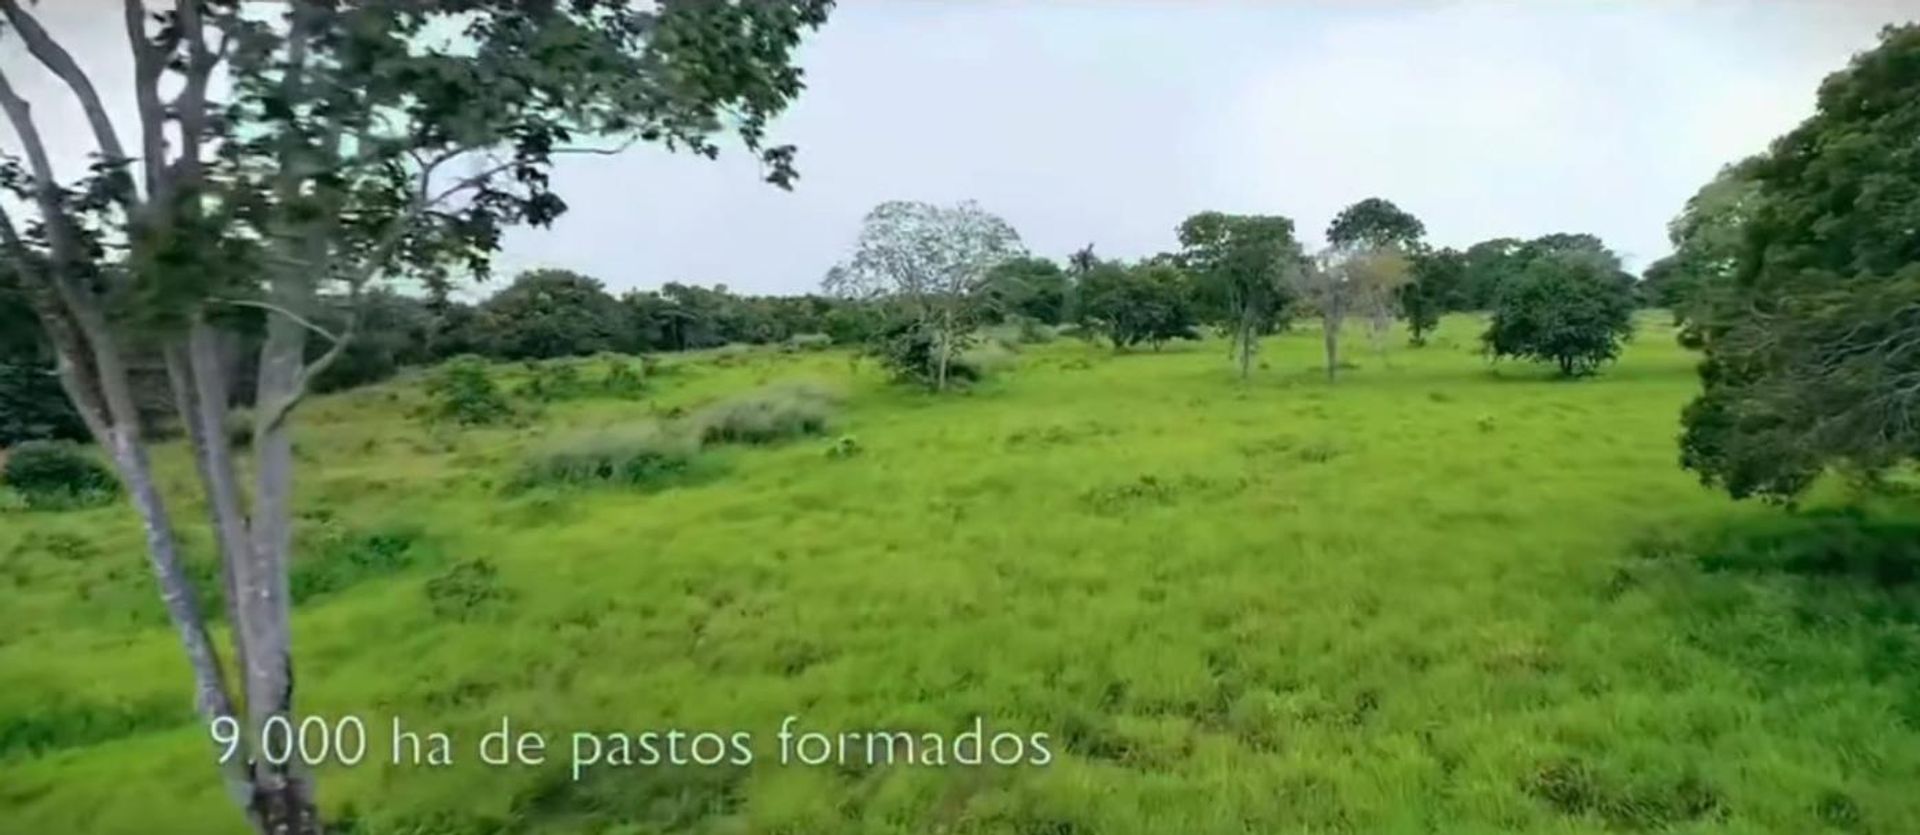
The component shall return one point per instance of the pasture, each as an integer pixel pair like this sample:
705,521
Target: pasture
1436,596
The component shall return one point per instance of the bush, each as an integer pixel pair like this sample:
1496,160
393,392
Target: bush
767,415
33,406
463,392
911,351
52,474
640,456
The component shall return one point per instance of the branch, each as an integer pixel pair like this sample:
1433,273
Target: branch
56,58
274,308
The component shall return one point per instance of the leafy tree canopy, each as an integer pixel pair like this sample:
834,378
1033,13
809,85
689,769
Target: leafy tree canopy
1566,308
1813,341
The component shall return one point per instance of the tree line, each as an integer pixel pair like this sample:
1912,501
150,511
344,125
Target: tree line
1241,276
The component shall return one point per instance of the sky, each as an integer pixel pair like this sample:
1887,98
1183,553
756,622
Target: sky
1109,122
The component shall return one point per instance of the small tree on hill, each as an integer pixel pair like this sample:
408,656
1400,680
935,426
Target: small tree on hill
1568,309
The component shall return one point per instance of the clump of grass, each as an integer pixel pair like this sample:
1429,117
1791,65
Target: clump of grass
807,342
985,360
467,590
462,392
640,456
766,415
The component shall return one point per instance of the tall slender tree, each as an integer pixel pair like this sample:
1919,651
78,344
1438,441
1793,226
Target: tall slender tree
350,147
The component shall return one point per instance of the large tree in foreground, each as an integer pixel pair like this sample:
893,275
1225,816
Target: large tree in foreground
358,140
1813,340
1241,263
928,264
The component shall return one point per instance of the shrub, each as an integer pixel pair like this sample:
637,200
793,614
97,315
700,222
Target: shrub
766,415
640,456
33,407
462,392
52,474
912,352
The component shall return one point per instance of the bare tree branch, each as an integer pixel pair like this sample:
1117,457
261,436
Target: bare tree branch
56,59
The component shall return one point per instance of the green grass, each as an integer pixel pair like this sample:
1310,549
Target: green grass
1439,596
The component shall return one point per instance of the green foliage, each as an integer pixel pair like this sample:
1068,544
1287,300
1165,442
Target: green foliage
767,415
344,559
1375,223
1277,543
1147,303
636,456
552,313
1030,286
33,406
1438,286
547,382
1241,264
623,379
1810,340
57,474
911,351
462,391
1565,309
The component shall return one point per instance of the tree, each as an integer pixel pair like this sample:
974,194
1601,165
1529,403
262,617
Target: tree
1567,308
553,313
1707,236
1241,263
1812,337
1146,302
927,263
1488,266
1343,280
351,142
1438,285
1375,223
1030,286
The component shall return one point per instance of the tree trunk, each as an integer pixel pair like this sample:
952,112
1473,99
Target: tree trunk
1246,342
1330,334
946,350
282,793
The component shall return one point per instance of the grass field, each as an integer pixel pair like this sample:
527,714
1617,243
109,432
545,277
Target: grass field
1439,596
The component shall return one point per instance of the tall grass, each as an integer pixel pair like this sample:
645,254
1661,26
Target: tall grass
642,456
767,415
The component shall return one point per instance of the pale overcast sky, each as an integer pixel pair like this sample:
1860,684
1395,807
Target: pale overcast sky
1108,122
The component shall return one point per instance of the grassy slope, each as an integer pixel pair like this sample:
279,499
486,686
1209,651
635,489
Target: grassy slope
1436,597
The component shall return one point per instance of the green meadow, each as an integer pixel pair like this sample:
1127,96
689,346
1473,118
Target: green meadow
1439,595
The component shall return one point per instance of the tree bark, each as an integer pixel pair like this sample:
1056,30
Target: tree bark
1330,334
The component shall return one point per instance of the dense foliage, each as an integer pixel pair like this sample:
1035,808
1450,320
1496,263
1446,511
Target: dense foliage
57,474
1131,304
1567,308
1813,336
